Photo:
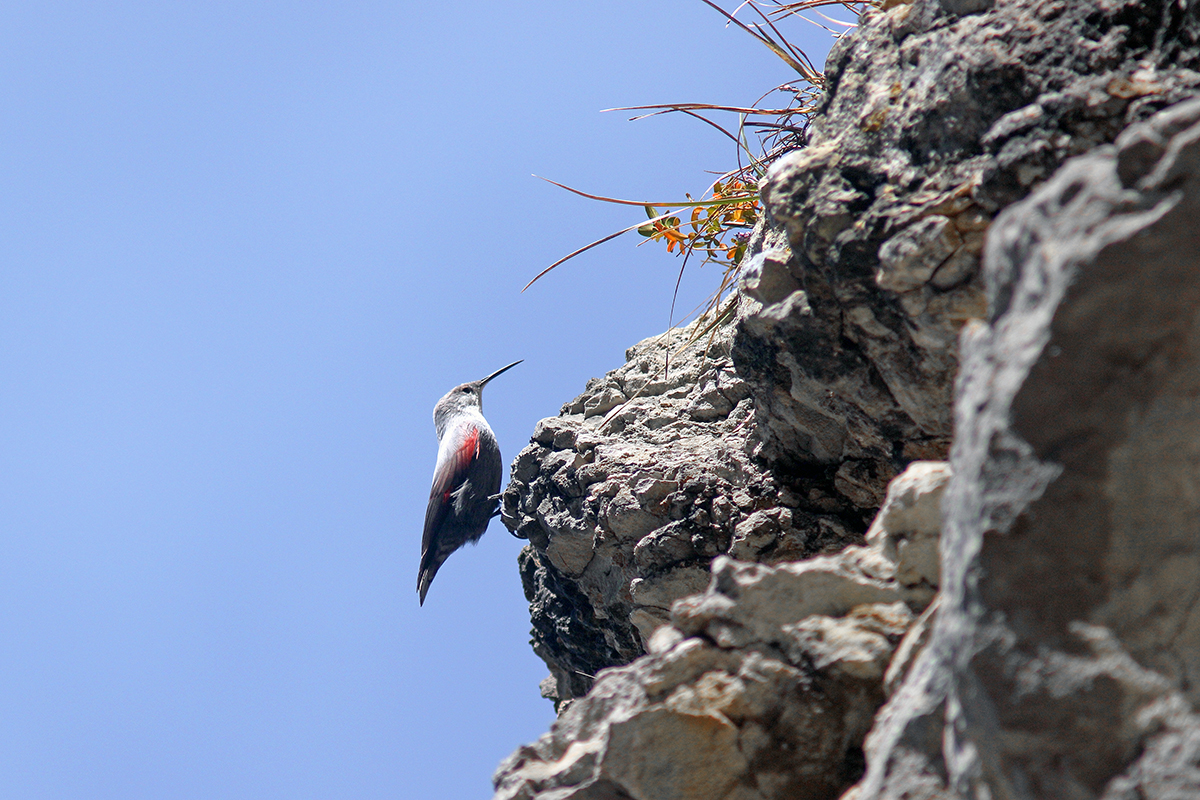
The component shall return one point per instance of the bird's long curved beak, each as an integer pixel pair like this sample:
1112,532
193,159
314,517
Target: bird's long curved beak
484,382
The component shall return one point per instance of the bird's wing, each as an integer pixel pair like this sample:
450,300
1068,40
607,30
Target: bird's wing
489,466
450,473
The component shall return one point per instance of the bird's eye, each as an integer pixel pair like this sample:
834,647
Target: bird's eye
465,390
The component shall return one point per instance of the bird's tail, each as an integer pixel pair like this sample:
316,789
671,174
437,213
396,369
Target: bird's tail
429,568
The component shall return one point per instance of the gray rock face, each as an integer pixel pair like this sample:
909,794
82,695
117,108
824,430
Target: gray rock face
936,115
761,687
852,299
1064,657
628,496
720,615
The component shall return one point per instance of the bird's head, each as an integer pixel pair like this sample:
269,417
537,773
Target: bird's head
463,397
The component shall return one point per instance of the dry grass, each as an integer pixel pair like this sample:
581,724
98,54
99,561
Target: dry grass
717,226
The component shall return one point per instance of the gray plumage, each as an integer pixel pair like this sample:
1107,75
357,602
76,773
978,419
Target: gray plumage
466,481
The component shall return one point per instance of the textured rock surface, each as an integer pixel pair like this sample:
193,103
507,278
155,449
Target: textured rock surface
847,322
628,496
934,118
1064,657
761,687
1061,658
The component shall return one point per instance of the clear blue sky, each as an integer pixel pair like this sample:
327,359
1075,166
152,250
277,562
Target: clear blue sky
245,248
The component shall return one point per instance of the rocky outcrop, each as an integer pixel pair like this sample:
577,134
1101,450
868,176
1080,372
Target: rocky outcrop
1065,655
720,614
763,686
629,494
934,118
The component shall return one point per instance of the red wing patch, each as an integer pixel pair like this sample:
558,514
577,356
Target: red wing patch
447,478
470,446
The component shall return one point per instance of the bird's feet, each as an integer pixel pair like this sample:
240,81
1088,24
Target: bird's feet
496,499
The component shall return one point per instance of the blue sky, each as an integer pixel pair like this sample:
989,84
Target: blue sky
245,248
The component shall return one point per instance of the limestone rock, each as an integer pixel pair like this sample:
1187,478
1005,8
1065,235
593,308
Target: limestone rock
760,687
1061,656
908,526
631,492
936,115
1062,661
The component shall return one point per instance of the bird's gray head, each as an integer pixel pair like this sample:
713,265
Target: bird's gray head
463,398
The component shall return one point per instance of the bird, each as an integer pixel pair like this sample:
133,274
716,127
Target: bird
466,481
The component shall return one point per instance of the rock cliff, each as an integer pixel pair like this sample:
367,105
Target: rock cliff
987,252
